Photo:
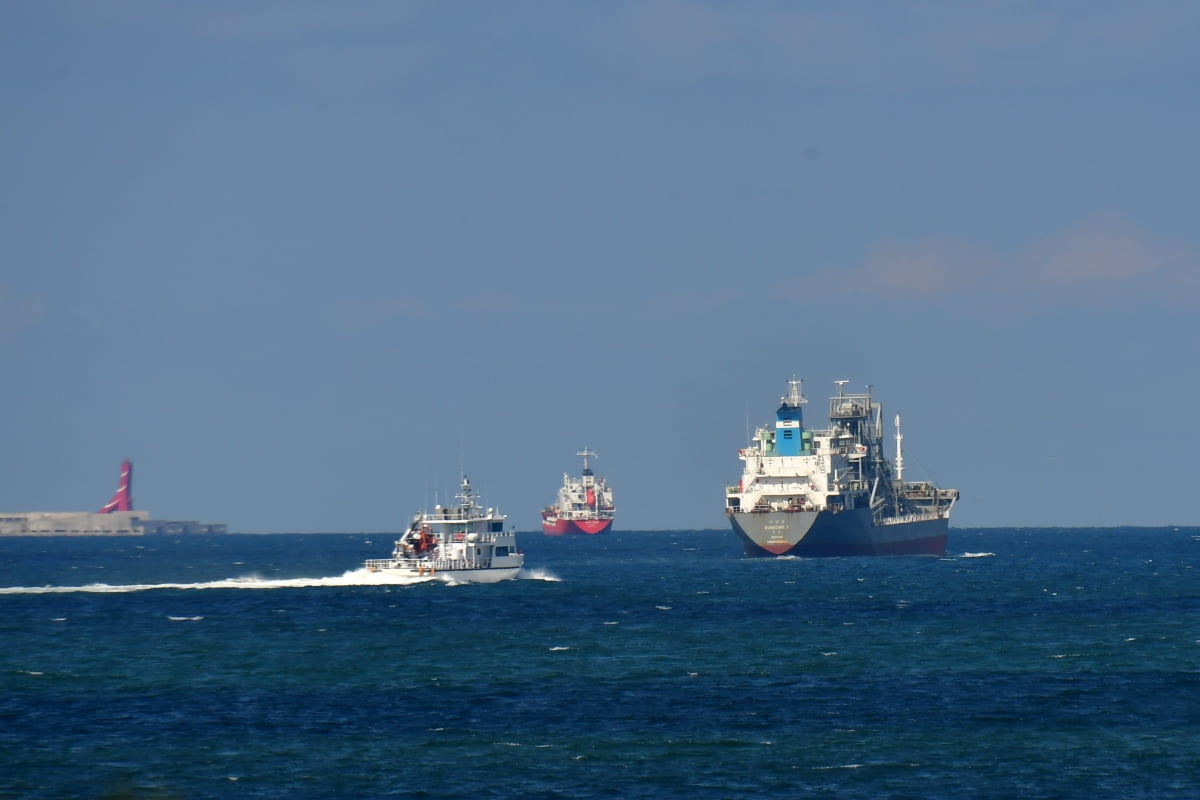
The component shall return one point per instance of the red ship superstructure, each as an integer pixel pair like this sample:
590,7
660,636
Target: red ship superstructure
585,504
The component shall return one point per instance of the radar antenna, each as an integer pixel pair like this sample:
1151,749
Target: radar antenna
795,395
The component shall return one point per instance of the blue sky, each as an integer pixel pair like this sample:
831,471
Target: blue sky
303,262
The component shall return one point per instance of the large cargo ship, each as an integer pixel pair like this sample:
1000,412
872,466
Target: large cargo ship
584,504
833,492
116,518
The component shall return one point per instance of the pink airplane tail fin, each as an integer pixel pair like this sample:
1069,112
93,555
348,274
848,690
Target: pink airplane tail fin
123,499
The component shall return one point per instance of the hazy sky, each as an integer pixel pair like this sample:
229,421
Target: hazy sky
304,261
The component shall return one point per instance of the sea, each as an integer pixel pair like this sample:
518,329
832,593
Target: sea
1026,662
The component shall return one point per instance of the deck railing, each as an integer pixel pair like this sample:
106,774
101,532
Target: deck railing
430,566
881,519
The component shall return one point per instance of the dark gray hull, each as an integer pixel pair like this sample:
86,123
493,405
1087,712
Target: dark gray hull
848,533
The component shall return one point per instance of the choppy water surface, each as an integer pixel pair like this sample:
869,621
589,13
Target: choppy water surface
1031,663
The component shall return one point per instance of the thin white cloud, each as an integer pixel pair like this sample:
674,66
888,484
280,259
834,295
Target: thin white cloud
1100,261
943,42
232,21
356,318
18,311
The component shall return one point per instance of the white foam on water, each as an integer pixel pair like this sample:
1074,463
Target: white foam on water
537,574
977,555
355,577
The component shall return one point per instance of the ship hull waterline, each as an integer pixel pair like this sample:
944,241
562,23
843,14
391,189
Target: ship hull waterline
568,527
474,575
848,533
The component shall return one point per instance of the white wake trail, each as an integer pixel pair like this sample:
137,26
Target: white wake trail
356,577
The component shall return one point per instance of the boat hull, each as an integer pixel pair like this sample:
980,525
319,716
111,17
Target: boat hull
848,533
486,575
567,527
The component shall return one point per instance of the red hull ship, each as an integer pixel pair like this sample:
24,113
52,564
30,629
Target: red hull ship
552,525
584,506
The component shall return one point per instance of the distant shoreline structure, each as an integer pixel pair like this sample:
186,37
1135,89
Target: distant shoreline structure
116,518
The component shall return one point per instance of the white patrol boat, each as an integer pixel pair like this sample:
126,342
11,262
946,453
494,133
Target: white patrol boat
464,543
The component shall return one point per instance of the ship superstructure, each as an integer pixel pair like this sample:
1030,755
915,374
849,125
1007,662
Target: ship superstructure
833,492
584,504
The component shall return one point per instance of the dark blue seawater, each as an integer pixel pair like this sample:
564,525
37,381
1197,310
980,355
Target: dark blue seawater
1035,663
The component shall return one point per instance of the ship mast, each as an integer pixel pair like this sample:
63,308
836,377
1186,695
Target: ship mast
465,497
795,393
589,480
789,420
899,452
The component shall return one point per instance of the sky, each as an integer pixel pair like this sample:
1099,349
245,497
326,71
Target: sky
305,263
